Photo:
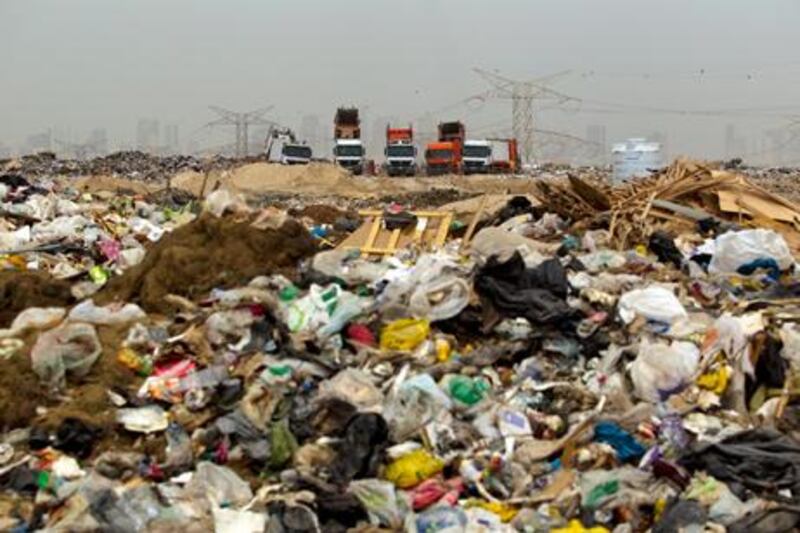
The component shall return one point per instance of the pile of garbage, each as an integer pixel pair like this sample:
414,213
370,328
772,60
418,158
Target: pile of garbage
574,366
131,164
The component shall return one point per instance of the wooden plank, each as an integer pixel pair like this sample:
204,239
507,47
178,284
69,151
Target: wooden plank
393,240
373,233
444,228
751,204
474,223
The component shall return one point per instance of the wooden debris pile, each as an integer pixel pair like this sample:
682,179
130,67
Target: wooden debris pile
674,199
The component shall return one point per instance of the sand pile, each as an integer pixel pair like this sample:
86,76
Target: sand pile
207,253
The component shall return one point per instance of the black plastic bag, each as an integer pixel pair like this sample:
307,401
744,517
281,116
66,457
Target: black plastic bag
513,290
361,449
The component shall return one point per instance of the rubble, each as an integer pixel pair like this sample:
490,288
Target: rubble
586,357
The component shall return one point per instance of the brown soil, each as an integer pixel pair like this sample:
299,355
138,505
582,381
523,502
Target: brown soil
21,392
208,252
21,290
320,213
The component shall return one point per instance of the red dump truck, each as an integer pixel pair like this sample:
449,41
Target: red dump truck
505,157
400,152
444,156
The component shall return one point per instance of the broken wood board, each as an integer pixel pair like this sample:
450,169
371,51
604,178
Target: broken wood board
731,201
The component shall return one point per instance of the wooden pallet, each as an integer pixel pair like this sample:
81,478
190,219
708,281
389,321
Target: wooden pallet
381,241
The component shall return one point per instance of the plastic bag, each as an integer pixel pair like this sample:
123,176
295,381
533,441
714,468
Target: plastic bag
147,419
660,370
221,201
497,241
413,468
313,310
417,402
404,334
37,318
347,266
790,335
232,521
221,485
653,303
383,505
352,386
442,519
431,289
112,314
736,248
440,299
71,348
465,390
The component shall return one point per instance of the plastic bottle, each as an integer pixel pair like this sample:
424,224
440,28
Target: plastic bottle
134,361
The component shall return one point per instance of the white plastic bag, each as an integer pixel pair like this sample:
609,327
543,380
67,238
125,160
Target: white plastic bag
111,314
661,370
431,289
221,485
38,318
654,303
352,386
502,243
69,348
439,299
736,248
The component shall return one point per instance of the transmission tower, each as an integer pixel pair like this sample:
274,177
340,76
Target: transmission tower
522,95
241,121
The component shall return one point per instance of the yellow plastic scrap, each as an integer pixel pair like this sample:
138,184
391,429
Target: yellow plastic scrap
443,350
575,526
505,512
404,334
413,468
715,381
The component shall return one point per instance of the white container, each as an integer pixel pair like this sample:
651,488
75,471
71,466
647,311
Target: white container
635,158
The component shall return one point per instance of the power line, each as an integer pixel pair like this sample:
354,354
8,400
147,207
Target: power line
241,122
522,95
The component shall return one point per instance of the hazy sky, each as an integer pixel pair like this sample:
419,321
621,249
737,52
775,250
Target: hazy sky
80,64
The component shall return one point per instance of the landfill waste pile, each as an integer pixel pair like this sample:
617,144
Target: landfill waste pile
130,164
594,359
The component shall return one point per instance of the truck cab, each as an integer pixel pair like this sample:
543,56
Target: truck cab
295,154
400,152
349,154
476,156
401,160
442,157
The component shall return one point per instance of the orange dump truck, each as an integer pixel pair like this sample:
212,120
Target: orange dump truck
444,155
400,152
505,157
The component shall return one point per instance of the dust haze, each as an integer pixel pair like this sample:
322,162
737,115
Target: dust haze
712,79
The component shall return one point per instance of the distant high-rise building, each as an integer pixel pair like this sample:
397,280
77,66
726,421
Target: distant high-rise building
735,145
98,139
147,135
39,142
776,146
661,138
171,141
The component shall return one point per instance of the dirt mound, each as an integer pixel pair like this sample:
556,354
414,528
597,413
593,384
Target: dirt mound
430,198
21,391
207,253
21,290
320,213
